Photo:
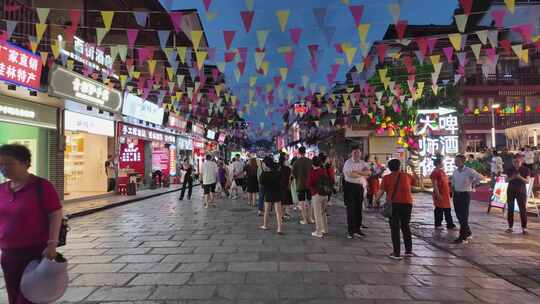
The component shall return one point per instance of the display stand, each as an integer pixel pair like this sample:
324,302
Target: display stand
498,197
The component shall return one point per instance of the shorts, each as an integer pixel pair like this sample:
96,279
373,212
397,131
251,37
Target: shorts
209,188
304,195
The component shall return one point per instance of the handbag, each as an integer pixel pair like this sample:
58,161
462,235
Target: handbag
64,227
387,207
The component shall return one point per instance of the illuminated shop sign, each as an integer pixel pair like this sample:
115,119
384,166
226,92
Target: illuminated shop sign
85,123
90,56
15,111
176,122
70,85
19,66
20,111
146,134
438,130
136,107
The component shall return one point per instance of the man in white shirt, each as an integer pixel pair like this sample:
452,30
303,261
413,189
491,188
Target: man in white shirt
238,176
209,173
356,172
529,158
463,181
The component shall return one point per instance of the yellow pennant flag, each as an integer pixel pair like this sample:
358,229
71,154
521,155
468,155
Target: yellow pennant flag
283,72
179,94
201,57
322,90
70,64
437,67
382,74
525,56
249,4
55,48
435,89
435,59
107,18
350,52
196,38
340,61
100,34
40,29
461,22
217,88
420,90
264,66
476,50
44,56
170,73
346,2
252,81
151,66
262,35
359,67
455,40
211,16
123,81
510,5
182,50
283,17
517,49
136,74
259,57
363,29
33,43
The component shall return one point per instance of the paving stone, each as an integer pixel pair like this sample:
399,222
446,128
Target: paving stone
202,243
407,269
156,244
253,266
303,267
275,278
354,267
495,283
177,250
304,291
445,281
218,278
252,292
235,257
504,296
219,249
146,258
161,279
121,293
79,252
119,245
149,267
439,294
334,278
102,279
128,251
187,258
458,271
388,279
375,292
92,259
76,294
202,267
184,292
96,268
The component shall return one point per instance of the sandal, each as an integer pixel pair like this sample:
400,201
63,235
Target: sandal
263,228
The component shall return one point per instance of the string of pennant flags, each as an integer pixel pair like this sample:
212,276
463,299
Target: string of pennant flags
183,54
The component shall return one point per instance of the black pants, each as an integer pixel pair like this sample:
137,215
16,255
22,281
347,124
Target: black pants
447,212
189,183
462,200
354,197
401,220
520,197
111,185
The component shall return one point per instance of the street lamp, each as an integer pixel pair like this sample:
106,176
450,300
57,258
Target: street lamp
493,107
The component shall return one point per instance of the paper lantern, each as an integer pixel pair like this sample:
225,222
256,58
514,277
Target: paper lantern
476,111
391,133
400,141
527,108
485,109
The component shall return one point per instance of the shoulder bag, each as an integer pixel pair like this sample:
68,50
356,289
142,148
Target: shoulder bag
387,207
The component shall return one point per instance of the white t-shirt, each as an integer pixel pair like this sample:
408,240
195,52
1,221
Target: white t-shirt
529,157
496,164
351,165
238,169
209,172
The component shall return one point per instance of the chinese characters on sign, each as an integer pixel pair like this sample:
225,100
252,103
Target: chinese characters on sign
91,56
89,91
438,137
19,66
130,154
146,134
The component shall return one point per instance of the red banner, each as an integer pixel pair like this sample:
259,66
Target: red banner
19,66
132,156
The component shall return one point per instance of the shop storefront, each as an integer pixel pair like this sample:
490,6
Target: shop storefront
199,143
144,151
32,125
89,123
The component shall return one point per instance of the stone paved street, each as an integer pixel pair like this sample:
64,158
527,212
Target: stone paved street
161,250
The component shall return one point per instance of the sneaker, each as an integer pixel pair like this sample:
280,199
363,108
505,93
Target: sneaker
350,237
438,228
359,234
408,254
524,231
364,227
315,234
451,227
303,223
394,257
509,230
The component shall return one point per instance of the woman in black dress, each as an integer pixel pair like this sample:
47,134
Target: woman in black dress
252,182
286,197
271,182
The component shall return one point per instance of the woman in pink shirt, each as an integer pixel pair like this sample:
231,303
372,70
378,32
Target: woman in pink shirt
30,218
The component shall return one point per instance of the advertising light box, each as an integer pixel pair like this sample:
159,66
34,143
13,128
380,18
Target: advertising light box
19,66
138,108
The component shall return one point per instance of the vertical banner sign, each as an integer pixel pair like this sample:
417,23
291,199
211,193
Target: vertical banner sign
19,66
438,131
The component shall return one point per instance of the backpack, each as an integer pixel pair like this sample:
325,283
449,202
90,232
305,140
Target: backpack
324,185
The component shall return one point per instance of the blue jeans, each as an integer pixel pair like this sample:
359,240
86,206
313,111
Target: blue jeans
260,204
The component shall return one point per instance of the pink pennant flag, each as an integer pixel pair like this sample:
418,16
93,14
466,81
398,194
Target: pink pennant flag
247,19
313,48
525,30
506,45
466,5
211,53
357,12
431,44
339,48
295,34
313,62
367,62
207,4
229,56
335,69
289,58
176,18
491,53
243,53
228,36
401,25
132,37
498,16
381,51
448,52
75,16
277,81
422,45
241,67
